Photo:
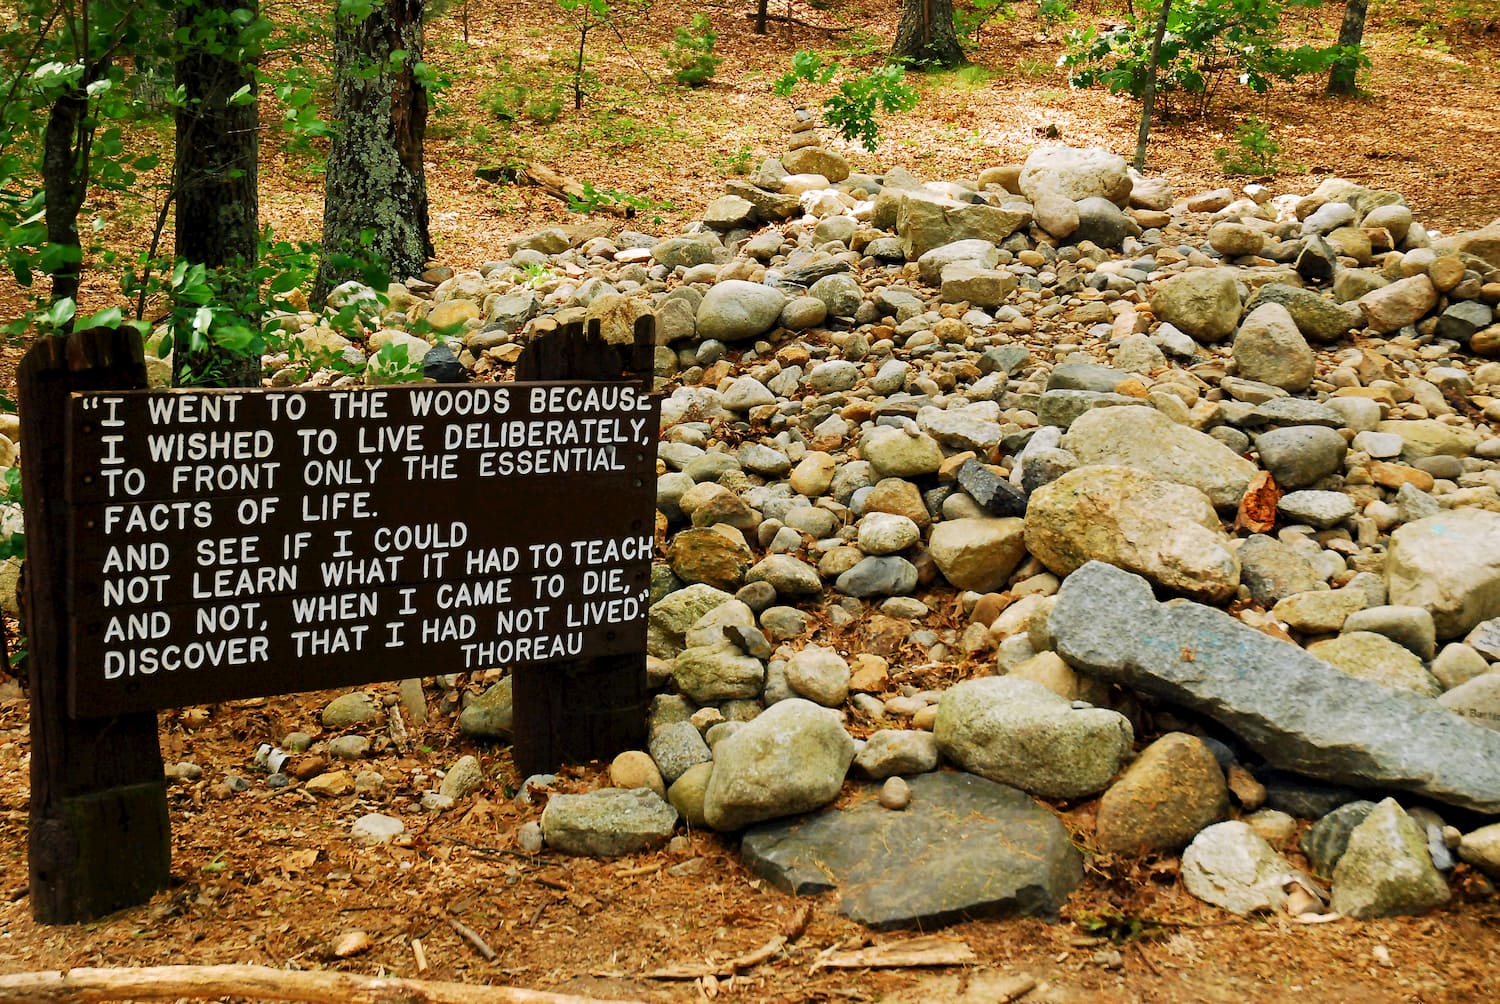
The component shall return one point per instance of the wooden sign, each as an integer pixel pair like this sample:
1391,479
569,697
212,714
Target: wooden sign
232,544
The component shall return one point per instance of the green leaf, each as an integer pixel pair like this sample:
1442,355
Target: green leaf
60,313
285,282
109,317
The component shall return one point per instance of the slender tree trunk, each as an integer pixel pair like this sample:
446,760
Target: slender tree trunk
1148,99
65,178
215,173
760,17
1351,33
375,182
926,36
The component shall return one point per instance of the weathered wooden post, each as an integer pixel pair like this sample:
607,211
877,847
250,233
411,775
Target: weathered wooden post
587,709
100,839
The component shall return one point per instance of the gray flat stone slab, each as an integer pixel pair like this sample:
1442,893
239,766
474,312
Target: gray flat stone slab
1295,710
964,848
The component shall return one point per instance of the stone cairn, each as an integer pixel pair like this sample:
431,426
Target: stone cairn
1047,399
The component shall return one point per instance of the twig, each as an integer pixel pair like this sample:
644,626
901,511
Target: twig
499,852
788,19
420,954
470,935
790,932
1140,950
74,986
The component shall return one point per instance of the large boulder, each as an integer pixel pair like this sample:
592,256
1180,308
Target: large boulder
1426,437
1386,869
718,672
1020,733
1317,317
978,553
1449,564
986,288
926,220
948,836
1231,866
1374,657
1293,709
1405,301
735,310
1075,174
899,453
1167,532
1174,789
1203,302
816,160
1104,223
1143,438
608,822
1269,348
981,253
790,758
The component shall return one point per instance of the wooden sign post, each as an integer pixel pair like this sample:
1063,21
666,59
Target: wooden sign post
196,546
589,709
99,838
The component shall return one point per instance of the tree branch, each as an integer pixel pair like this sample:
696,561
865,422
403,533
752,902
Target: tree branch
165,982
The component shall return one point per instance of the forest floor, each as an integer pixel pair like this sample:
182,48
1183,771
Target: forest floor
270,877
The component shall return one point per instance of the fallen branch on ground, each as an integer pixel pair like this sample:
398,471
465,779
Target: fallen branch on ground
788,19
900,954
569,190
263,982
789,933
473,937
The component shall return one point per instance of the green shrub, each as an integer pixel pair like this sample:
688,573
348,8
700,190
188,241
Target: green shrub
691,54
1256,152
1051,13
524,93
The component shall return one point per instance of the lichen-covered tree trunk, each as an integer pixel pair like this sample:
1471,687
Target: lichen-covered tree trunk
215,171
1341,78
926,38
375,181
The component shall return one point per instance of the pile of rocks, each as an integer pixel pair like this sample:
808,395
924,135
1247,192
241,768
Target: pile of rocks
1050,390
1041,398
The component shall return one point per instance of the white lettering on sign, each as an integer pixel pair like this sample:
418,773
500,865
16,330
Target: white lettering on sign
253,542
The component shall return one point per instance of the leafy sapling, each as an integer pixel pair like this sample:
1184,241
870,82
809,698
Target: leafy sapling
851,110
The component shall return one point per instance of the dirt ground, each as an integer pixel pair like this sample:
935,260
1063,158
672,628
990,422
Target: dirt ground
271,878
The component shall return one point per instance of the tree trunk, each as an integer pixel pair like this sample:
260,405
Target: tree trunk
65,179
375,181
925,37
1148,99
217,153
1351,33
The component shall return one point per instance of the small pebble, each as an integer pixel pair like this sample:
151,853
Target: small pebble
895,793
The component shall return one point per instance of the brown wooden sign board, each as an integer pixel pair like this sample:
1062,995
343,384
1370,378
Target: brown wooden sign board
233,544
